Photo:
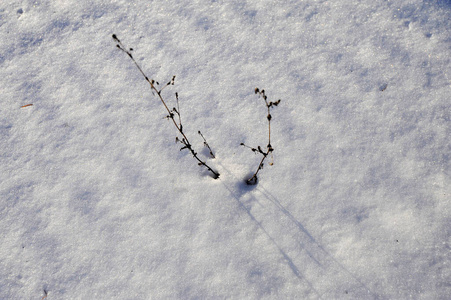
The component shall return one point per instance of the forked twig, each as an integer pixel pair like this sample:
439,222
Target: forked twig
171,113
269,149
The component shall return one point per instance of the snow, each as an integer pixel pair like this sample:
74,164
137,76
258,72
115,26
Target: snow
97,201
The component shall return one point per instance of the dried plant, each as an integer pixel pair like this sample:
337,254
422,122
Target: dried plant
172,113
269,149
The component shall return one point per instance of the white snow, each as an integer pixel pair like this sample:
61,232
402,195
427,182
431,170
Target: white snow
97,201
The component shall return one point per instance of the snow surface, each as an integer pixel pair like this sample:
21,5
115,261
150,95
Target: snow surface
97,201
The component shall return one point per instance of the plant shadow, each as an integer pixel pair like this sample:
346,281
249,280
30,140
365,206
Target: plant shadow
273,219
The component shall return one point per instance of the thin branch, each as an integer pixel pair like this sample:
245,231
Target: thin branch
45,295
206,144
178,110
269,149
184,140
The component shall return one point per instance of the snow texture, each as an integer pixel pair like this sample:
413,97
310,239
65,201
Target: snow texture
97,201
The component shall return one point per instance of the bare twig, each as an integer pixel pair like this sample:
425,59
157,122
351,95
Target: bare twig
183,140
45,294
269,149
206,144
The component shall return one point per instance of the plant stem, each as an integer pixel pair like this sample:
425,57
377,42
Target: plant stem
185,140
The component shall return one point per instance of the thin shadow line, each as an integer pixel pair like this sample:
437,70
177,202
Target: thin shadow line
243,189
290,262
277,203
